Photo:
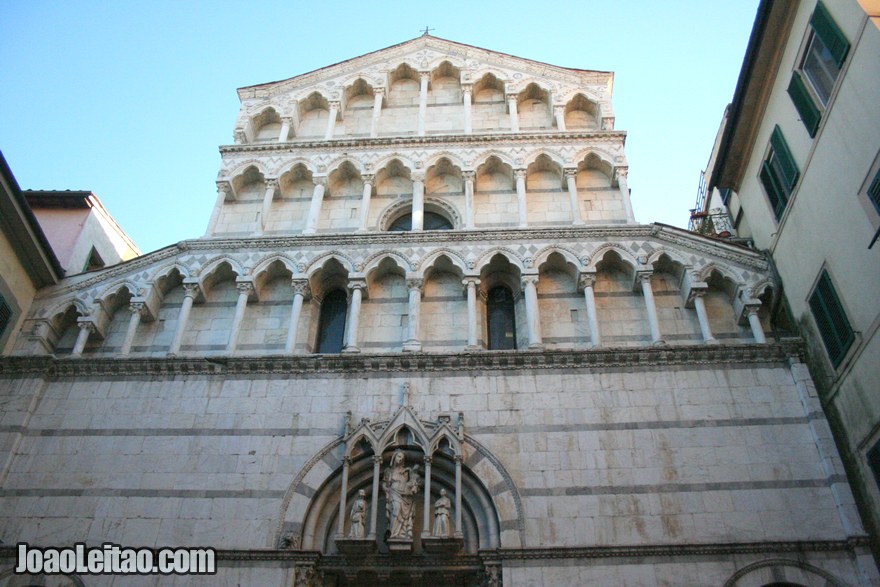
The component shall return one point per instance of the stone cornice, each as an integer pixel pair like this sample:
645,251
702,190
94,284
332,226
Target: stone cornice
231,366
494,139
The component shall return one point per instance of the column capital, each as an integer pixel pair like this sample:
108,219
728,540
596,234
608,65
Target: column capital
520,173
137,308
368,178
558,108
418,176
86,324
356,284
319,180
586,280
467,88
379,91
608,123
224,187
334,105
468,175
512,96
245,287
346,460
271,183
301,286
752,309
425,75
470,282
570,172
377,459
415,283
191,290
620,173
529,279
429,459
644,275
458,459
287,119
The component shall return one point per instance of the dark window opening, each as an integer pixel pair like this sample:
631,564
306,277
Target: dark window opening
430,221
94,261
874,192
5,315
331,325
874,462
834,327
779,173
501,318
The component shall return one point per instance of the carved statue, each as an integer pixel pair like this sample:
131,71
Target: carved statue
358,516
441,515
400,484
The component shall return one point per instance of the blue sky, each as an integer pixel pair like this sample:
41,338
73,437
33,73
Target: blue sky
132,99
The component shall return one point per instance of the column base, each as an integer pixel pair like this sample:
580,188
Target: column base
660,342
578,223
351,350
536,346
399,545
412,346
472,348
710,341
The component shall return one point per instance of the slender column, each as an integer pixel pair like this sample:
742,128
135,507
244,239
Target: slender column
472,284
755,323
285,129
331,120
426,519
587,282
354,314
315,207
702,316
457,495
533,317
468,177
571,182
520,175
514,115
559,113
466,90
85,329
418,205
653,321
300,292
245,290
223,189
346,463
190,291
268,196
424,76
624,194
374,503
137,311
412,342
365,200
377,110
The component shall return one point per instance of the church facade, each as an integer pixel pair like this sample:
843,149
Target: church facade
424,341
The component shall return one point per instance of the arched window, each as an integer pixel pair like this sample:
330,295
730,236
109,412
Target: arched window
431,221
501,318
331,325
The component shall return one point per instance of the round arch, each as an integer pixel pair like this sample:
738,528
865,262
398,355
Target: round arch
799,573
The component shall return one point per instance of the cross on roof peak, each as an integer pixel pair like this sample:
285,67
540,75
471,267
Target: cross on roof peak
426,31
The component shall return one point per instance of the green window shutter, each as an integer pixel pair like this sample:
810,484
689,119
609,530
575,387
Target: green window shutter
874,192
786,161
834,328
804,104
774,190
5,315
830,34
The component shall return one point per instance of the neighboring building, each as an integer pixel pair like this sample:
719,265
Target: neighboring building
796,171
424,342
27,262
83,234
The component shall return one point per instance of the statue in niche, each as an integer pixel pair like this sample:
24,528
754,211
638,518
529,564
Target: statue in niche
401,484
441,515
358,516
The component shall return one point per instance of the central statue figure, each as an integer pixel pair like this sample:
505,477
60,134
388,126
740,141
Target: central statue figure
400,484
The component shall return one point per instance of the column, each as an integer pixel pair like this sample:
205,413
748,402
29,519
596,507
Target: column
354,314
457,459
514,115
412,342
346,463
586,282
418,205
533,317
137,311
466,90
624,194
424,76
571,182
285,129
331,120
365,201
520,176
377,110
223,189
268,196
559,113
755,323
315,207
653,321
245,290
374,502
300,292
468,177
702,316
190,291
426,519
85,329
471,283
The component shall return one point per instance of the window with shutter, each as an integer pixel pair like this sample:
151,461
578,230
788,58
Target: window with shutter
874,192
874,461
779,173
834,327
5,315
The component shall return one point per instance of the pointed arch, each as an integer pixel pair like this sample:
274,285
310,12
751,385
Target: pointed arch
594,158
484,157
373,262
453,158
115,288
316,264
486,258
403,160
570,256
289,166
599,254
264,264
673,255
549,154
763,572
211,267
242,168
425,265
165,270
335,164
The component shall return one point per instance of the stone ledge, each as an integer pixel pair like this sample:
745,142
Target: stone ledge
635,357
